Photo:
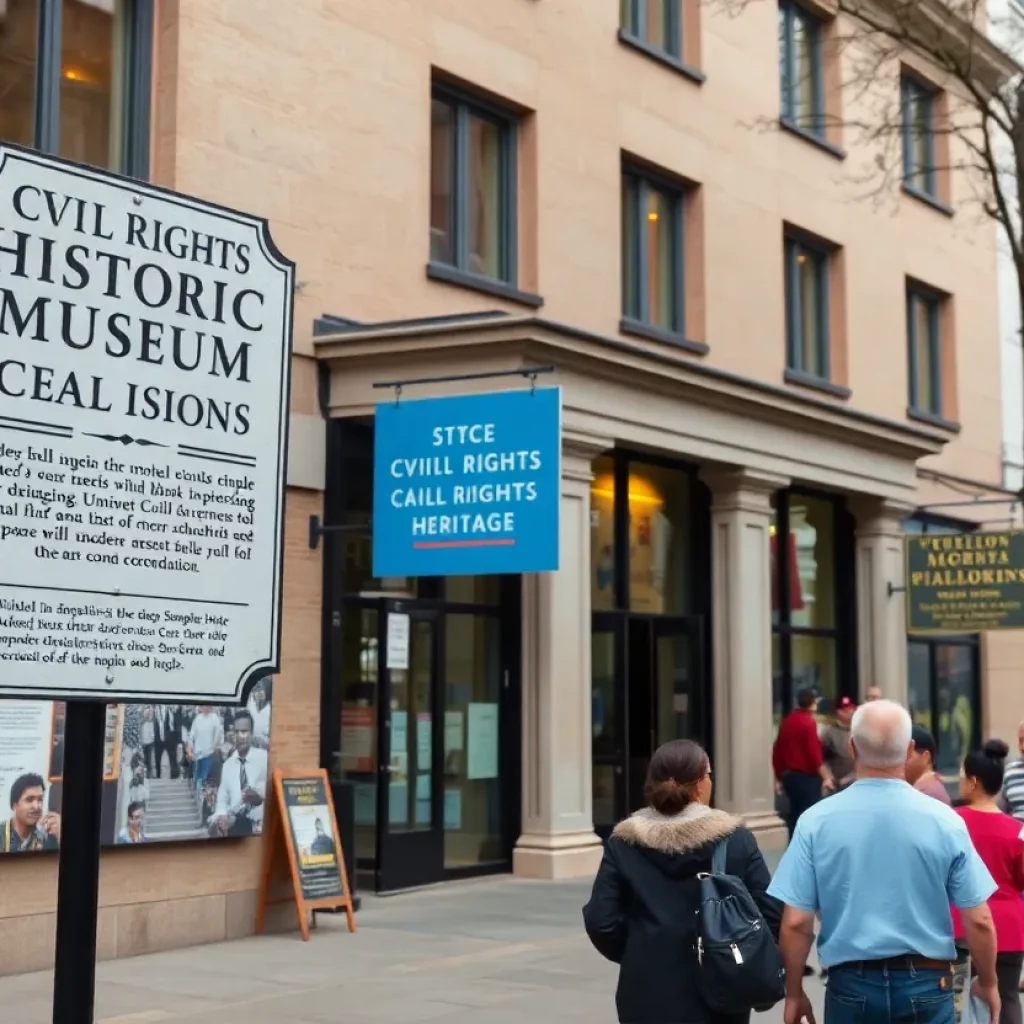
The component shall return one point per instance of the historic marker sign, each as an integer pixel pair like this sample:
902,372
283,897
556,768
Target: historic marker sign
965,583
144,379
468,485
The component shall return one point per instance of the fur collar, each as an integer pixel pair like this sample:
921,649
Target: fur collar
694,827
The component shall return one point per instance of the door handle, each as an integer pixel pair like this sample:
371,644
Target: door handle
386,769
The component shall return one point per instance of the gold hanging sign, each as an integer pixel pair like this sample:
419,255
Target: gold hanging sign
964,582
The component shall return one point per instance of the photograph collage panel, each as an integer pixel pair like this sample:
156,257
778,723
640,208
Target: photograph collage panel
171,771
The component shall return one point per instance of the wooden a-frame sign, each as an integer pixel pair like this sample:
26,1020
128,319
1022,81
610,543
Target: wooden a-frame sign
300,817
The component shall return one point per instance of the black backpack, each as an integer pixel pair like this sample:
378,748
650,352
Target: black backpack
739,966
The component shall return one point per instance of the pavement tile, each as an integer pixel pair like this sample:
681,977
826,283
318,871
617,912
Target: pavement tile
502,951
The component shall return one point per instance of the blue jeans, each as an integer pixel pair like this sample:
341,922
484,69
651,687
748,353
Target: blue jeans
858,995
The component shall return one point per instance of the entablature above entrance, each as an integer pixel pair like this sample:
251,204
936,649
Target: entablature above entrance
634,395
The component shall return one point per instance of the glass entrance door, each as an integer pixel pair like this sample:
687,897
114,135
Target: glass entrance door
410,795
649,687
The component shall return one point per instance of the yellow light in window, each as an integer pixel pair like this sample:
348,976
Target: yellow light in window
801,258
76,75
634,498
652,215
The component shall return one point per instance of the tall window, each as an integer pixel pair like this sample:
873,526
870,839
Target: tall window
472,187
657,24
812,633
652,253
801,68
919,137
924,350
943,680
807,308
75,76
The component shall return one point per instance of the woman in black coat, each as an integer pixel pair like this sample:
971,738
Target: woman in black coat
642,912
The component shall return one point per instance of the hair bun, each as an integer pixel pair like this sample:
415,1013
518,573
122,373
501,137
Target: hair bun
996,749
667,796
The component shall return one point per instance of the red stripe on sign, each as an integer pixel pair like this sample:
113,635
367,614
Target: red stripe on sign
419,546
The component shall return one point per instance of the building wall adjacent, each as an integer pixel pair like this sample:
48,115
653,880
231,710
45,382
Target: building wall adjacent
1006,26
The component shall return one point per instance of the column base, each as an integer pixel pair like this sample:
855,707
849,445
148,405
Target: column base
568,855
769,830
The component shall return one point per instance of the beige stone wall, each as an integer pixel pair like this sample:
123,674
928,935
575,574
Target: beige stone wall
183,894
316,114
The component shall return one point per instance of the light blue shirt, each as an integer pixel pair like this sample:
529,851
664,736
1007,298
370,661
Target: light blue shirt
881,863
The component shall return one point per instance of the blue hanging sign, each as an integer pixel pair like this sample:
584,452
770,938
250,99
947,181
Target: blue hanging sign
468,485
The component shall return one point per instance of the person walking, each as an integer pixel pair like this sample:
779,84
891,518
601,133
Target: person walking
880,864
798,761
1012,797
998,839
835,744
642,913
921,772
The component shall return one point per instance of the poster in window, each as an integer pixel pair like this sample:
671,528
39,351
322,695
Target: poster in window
482,753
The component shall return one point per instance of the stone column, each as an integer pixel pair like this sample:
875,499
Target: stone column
881,608
742,644
558,839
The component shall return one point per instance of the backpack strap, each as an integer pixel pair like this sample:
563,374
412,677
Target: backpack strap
718,857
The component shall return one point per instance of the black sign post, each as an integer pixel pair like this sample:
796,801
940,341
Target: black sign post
965,583
78,878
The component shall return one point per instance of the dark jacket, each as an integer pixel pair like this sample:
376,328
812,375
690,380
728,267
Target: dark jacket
642,912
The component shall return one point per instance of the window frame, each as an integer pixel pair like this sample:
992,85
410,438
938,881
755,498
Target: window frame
916,293
914,90
794,246
464,106
790,11
638,319
843,632
136,86
635,32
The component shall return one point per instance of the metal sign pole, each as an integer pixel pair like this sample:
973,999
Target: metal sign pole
78,878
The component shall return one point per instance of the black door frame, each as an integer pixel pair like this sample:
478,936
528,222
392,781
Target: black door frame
628,751
414,857
617,619
347,500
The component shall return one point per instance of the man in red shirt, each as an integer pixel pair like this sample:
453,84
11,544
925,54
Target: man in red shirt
797,759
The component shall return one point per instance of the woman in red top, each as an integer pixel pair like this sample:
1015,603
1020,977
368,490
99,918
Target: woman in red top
998,839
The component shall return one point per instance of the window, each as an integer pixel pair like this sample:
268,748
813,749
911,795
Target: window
801,68
811,613
656,24
924,350
652,253
76,79
807,309
472,188
919,138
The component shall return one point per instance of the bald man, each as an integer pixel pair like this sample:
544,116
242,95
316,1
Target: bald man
1012,796
886,935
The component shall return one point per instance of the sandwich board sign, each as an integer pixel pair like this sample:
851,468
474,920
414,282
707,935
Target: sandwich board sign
145,344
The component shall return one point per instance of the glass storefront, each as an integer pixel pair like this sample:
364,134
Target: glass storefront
944,679
650,592
659,563
812,601
431,750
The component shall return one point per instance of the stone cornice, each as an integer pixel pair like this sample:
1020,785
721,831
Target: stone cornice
647,366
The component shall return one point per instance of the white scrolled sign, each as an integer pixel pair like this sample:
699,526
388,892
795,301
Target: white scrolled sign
145,347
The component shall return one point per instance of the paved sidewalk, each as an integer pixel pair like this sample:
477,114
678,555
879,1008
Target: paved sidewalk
494,951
